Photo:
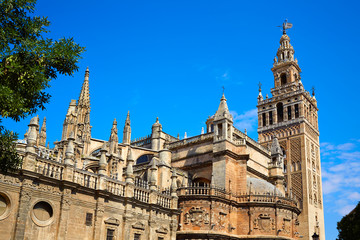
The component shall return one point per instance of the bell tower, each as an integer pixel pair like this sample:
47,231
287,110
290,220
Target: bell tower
291,116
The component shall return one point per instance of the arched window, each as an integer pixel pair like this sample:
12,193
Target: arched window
283,79
299,166
293,166
280,112
144,158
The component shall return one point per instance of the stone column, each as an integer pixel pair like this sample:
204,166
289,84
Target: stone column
64,214
23,211
99,215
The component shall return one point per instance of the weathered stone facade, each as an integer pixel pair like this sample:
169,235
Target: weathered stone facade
218,185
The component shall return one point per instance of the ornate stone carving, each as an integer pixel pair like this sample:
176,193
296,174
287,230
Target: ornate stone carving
286,225
222,220
25,196
197,216
66,204
264,223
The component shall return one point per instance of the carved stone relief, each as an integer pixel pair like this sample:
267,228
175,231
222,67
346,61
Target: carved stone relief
264,223
197,216
222,220
286,225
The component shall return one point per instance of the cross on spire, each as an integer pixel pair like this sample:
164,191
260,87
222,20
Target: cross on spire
259,86
223,88
313,90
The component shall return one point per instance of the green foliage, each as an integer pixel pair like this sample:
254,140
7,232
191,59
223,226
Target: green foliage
349,226
29,61
9,159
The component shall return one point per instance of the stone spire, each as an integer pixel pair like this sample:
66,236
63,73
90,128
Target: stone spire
42,140
223,122
84,98
82,129
285,67
223,110
114,139
127,130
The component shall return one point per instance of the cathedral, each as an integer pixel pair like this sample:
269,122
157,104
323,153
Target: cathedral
221,184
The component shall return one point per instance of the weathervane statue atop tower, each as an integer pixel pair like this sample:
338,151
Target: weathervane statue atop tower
286,25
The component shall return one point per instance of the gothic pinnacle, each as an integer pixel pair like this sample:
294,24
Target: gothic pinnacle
84,98
223,110
127,130
42,140
127,121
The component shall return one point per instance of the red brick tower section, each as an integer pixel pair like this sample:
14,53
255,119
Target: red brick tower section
291,116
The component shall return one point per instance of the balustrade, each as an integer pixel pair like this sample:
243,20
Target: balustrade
207,190
85,179
49,169
115,187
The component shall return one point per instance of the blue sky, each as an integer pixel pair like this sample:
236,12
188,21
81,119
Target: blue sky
171,58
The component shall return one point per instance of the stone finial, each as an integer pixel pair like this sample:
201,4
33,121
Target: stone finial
114,139
69,152
183,183
223,110
157,123
212,184
103,161
32,134
129,167
185,135
173,183
202,130
153,178
275,147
